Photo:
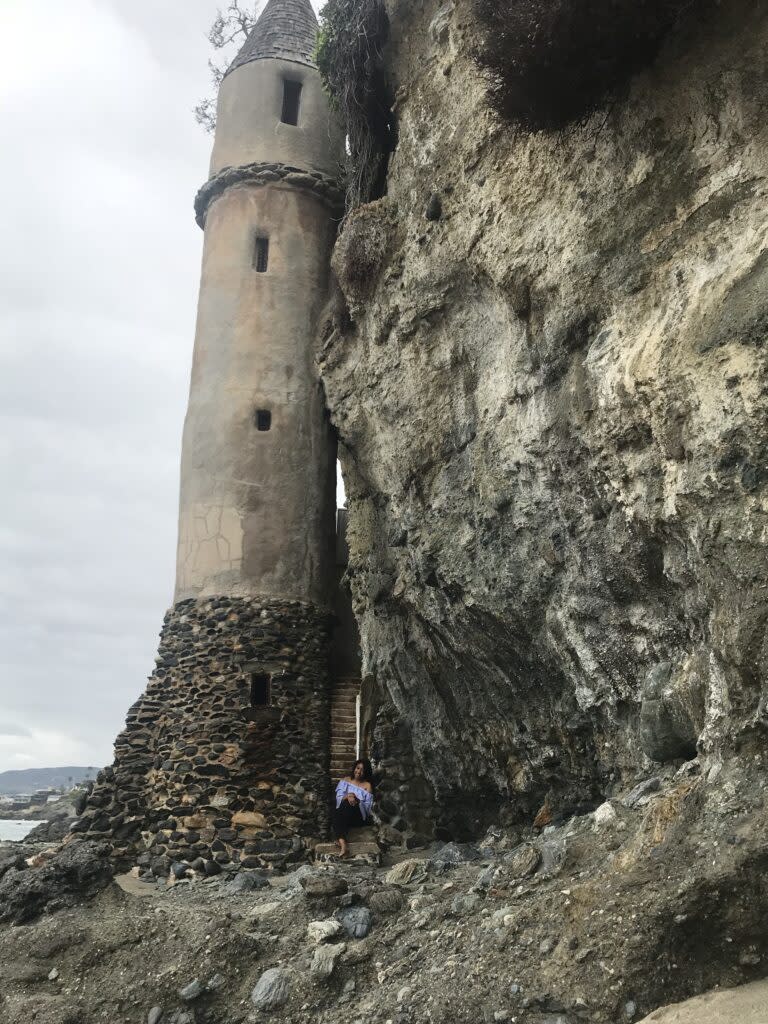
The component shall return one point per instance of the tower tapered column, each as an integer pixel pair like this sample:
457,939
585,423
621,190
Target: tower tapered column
225,759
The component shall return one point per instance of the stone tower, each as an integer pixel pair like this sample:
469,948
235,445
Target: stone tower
226,756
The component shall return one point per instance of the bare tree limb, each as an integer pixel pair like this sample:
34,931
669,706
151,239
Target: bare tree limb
231,26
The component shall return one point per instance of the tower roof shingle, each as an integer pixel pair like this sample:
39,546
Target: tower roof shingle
287,29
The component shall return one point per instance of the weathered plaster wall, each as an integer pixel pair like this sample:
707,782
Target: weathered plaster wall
251,131
257,508
552,402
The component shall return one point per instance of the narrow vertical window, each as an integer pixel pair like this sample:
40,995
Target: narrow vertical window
261,255
261,691
263,419
291,101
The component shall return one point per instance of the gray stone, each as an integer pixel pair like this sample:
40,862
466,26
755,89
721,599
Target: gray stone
245,881
455,853
325,885
523,860
192,991
324,961
356,921
553,854
79,869
464,906
407,871
643,789
272,990
485,879
385,901
439,27
155,1015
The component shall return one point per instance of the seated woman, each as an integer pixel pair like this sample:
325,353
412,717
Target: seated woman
354,801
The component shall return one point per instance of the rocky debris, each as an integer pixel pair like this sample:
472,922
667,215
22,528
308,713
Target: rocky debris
243,882
356,921
77,871
628,905
385,901
406,872
553,854
523,861
192,991
272,990
51,831
324,931
465,906
324,961
454,853
155,1015
641,792
322,886
604,815
12,859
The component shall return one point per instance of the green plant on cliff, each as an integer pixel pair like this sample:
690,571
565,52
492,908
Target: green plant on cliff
553,62
349,56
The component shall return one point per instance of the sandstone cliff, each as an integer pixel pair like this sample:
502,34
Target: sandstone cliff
549,380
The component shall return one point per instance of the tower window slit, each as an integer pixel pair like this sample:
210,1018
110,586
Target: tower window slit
261,691
261,255
291,101
263,419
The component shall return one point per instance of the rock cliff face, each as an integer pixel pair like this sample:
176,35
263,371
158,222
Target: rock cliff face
548,374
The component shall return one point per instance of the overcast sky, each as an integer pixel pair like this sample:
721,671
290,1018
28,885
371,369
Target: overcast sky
99,270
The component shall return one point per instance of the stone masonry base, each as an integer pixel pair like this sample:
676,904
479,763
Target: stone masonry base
224,760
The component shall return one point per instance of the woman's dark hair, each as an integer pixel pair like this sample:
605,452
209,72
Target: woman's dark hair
367,770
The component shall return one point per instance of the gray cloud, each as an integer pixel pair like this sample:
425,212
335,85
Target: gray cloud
98,283
99,271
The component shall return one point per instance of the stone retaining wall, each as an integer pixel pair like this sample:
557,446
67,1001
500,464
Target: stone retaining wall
200,774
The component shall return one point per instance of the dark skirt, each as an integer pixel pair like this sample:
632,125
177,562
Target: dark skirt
346,817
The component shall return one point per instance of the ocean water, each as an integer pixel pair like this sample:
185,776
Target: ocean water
16,830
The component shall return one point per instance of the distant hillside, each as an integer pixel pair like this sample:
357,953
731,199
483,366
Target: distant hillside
30,779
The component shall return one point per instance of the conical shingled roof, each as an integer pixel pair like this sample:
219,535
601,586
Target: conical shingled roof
286,29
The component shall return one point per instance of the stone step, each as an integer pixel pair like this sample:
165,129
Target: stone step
366,834
365,853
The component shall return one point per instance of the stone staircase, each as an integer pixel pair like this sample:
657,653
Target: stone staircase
363,848
343,726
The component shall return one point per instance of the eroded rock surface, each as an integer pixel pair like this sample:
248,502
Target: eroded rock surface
552,402
748,1005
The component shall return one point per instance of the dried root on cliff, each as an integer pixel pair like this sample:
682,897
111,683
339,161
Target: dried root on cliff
349,56
552,62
